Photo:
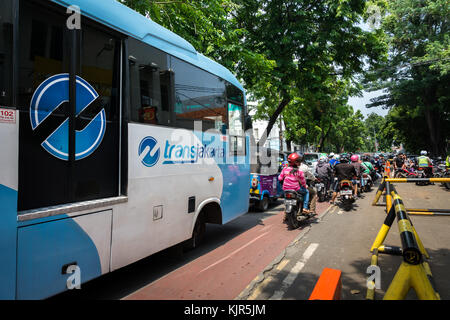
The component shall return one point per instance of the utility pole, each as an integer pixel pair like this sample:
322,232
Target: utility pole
281,133
376,142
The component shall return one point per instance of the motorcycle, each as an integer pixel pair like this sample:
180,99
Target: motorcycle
293,202
421,174
442,172
405,173
368,182
358,187
346,194
321,189
447,175
439,171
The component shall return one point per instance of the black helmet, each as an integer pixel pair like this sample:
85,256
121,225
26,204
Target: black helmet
301,156
344,158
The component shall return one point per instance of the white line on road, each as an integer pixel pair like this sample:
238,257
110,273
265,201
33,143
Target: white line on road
235,251
293,274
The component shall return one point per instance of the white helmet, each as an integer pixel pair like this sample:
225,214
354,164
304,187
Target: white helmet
331,155
423,153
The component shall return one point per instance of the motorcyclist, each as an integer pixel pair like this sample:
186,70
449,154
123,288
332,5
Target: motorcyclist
294,179
369,169
377,165
399,162
355,163
324,172
334,161
330,157
424,162
310,178
342,171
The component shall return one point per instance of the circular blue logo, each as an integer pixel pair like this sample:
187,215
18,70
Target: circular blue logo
49,96
147,156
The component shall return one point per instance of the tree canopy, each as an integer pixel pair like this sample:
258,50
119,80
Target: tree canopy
416,78
303,59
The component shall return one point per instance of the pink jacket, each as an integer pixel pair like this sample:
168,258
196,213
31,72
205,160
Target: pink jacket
292,181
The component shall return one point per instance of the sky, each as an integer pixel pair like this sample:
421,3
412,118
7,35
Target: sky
359,103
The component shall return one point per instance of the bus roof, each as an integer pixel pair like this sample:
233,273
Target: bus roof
123,19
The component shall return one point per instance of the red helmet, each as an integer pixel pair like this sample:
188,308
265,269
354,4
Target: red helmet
354,158
293,158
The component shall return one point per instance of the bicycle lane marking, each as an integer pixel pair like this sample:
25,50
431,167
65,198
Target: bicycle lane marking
294,272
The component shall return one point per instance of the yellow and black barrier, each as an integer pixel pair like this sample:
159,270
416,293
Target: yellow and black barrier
413,180
379,192
386,184
414,272
428,212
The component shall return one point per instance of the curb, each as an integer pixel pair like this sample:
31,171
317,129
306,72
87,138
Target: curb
262,276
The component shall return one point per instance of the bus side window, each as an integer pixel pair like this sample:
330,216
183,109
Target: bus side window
236,129
149,84
199,96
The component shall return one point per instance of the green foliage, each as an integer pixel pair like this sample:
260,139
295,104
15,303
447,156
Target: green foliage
300,56
415,76
380,130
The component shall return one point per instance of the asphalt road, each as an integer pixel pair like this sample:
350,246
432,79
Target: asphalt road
342,240
256,257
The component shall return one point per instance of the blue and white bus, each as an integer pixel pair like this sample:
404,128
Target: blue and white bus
117,139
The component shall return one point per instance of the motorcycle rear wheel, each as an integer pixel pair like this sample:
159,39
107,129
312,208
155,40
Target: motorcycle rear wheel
322,196
347,205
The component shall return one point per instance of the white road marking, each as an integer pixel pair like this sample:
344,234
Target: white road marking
293,274
235,251
340,211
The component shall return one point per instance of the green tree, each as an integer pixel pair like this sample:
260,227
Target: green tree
379,131
211,27
310,41
415,77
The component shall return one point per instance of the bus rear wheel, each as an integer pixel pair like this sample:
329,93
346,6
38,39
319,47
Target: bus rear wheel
198,234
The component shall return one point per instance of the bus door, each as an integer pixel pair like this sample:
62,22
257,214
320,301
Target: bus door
66,156
68,97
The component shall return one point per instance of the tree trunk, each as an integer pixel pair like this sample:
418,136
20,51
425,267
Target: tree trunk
289,145
272,120
433,126
323,137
